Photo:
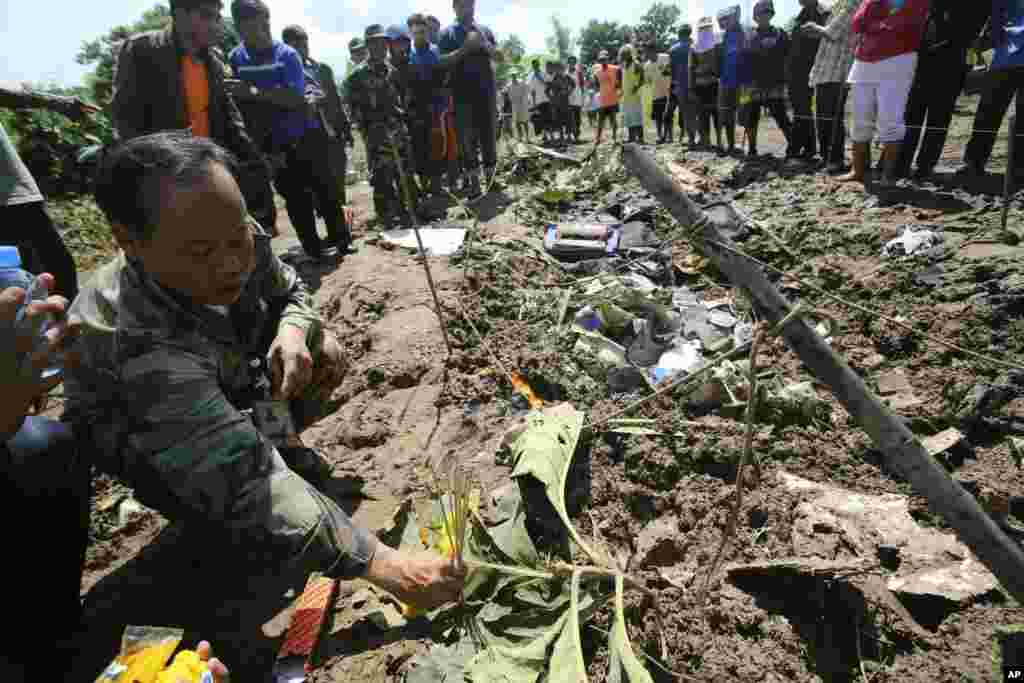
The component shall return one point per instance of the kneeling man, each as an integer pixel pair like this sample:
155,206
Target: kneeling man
184,335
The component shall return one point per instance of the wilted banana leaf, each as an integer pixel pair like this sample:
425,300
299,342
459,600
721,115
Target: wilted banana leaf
623,664
555,652
544,451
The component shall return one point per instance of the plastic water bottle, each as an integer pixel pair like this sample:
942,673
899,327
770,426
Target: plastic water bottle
12,275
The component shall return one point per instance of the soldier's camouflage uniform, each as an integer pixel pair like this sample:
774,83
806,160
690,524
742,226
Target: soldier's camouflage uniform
376,107
159,396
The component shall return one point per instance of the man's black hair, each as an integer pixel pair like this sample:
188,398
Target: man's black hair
293,32
130,178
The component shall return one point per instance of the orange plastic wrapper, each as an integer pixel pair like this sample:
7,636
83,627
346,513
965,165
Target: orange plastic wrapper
144,654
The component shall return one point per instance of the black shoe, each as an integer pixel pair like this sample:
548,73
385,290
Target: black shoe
923,174
970,170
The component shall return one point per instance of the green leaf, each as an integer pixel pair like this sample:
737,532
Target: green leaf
554,649
623,665
440,663
555,196
544,451
567,659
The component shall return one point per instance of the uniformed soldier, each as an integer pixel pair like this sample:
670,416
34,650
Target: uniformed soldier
172,330
376,108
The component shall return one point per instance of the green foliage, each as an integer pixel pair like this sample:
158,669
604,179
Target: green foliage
103,51
49,143
600,35
561,41
513,49
660,24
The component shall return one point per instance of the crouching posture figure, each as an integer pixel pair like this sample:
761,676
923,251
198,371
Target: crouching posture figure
173,331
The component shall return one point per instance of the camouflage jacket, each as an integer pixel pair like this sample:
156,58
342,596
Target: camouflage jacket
160,377
156,397
373,96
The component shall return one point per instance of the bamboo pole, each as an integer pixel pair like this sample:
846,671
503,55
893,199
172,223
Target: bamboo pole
902,452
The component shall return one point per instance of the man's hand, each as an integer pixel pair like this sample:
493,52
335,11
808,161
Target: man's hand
424,582
812,30
216,667
291,363
21,393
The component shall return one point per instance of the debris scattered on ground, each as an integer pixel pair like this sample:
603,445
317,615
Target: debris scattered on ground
914,241
436,241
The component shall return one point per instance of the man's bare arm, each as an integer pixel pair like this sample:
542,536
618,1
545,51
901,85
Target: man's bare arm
72,107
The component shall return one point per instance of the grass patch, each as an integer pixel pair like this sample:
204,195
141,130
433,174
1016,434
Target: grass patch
84,228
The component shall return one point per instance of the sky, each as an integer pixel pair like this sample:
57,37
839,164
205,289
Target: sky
40,39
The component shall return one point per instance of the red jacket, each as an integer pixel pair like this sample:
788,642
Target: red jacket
884,32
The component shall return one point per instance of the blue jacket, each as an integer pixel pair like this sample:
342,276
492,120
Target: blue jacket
1007,34
679,59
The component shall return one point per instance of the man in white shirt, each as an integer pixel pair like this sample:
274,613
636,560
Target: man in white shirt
577,98
519,95
540,104
658,73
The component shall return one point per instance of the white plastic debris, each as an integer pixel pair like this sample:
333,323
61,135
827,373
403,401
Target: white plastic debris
721,318
684,297
683,357
912,241
742,334
436,241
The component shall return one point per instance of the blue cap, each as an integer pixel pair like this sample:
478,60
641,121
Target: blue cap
10,257
397,32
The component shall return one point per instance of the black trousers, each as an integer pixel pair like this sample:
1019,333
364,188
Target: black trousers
575,121
830,103
707,110
669,120
45,484
29,227
999,91
307,180
937,84
802,140
777,109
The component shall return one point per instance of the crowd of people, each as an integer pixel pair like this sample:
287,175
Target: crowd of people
903,62
185,355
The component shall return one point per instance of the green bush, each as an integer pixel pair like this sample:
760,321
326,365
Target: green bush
49,144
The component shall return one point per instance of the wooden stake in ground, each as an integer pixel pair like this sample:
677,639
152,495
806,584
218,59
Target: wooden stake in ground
1011,150
902,452
403,180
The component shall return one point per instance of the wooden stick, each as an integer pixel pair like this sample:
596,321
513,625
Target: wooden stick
403,180
902,452
1008,178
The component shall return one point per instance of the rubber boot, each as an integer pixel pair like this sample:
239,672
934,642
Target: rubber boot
890,162
858,174
730,139
752,142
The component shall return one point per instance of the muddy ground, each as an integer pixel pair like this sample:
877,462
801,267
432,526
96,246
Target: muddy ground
404,405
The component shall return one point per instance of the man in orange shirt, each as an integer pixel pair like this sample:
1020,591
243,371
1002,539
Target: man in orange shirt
609,83
174,80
